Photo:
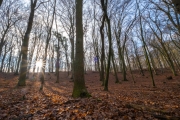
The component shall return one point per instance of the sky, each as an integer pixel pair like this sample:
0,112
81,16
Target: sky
27,1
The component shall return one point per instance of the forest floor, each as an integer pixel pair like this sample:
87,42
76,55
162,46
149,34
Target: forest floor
124,101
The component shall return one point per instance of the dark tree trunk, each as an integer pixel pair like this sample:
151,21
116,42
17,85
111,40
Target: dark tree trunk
57,63
177,5
9,62
129,65
2,43
145,50
137,58
1,2
17,68
4,56
79,89
102,49
114,67
104,8
24,48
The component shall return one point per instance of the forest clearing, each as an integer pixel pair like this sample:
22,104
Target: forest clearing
123,101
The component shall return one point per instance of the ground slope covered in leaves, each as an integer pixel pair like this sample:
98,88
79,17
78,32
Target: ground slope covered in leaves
125,101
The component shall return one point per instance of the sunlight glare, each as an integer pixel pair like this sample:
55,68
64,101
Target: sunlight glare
39,64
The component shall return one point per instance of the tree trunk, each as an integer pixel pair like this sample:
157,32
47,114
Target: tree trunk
9,62
114,67
46,47
145,52
177,5
57,63
129,65
104,7
72,56
4,56
152,61
2,43
1,2
24,47
102,49
137,58
17,67
79,89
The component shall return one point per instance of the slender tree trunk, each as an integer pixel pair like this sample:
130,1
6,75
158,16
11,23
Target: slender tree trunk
129,65
123,65
104,7
9,62
146,53
152,61
46,47
4,56
52,63
121,55
49,64
57,64
159,62
24,48
114,67
17,68
102,49
1,2
138,60
169,60
67,62
3,41
52,59
72,56
174,59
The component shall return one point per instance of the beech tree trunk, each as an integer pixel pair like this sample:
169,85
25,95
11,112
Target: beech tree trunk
79,89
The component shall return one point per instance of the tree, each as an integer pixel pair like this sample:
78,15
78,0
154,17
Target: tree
145,45
79,89
159,35
49,30
177,5
9,17
67,19
1,2
104,9
24,47
59,37
102,48
137,58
